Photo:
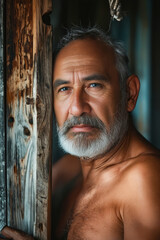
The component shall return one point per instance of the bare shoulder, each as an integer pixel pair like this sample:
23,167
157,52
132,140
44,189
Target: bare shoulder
143,172
144,168
145,160
141,210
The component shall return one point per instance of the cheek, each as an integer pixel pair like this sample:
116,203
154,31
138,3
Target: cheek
61,112
106,115
105,110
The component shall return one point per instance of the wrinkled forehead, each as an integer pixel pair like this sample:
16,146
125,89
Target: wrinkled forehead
87,49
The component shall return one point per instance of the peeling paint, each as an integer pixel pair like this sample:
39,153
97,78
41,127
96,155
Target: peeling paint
20,57
22,138
22,124
29,111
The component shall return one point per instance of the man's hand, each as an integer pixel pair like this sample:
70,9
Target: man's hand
10,233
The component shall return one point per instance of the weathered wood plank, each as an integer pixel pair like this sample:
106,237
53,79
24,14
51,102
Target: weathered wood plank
46,7
43,54
29,111
2,125
21,116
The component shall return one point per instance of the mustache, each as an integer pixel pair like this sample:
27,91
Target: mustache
84,119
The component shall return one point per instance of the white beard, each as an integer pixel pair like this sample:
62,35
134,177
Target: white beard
82,145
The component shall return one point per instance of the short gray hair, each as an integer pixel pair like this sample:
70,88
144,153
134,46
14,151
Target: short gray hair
96,33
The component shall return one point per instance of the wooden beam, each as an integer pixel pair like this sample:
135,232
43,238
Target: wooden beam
29,113
42,43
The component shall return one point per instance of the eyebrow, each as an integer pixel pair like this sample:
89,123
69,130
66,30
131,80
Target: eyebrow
96,77
59,82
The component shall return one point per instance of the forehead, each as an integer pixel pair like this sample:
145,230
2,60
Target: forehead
85,54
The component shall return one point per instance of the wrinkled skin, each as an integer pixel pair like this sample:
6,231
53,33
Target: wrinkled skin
120,197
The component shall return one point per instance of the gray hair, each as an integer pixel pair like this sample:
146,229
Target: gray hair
122,60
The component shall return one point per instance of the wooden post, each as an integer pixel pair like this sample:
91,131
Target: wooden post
29,115
42,43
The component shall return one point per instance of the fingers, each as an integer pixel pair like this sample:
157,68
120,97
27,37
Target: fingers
2,237
3,234
14,234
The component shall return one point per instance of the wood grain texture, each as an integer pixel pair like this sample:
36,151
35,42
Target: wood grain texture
29,111
46,7
2,125
21,116
43,55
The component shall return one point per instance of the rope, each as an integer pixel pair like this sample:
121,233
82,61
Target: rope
116,9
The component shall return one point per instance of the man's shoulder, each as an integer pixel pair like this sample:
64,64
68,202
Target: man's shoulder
144,163
141,201
144,169
141,181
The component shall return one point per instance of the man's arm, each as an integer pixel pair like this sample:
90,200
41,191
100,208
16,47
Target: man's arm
141,213
10,233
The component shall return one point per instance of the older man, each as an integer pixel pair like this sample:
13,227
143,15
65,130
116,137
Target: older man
94,94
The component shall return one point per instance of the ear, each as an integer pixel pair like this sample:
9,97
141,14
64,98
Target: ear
133,86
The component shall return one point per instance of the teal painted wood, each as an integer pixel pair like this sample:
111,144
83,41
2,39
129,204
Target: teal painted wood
21,117
2,126
29,111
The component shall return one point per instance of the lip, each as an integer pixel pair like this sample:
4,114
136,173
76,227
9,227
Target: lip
82,128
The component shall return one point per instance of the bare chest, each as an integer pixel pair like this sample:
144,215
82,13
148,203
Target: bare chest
95,218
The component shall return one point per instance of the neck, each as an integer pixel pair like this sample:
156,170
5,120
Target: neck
117,154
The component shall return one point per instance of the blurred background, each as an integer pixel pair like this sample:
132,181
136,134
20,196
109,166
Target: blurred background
140,32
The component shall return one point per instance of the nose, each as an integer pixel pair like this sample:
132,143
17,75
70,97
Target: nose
79,104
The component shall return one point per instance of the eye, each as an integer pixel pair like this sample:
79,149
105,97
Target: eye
63,89
94,85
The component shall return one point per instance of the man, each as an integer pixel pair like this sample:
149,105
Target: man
94,94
